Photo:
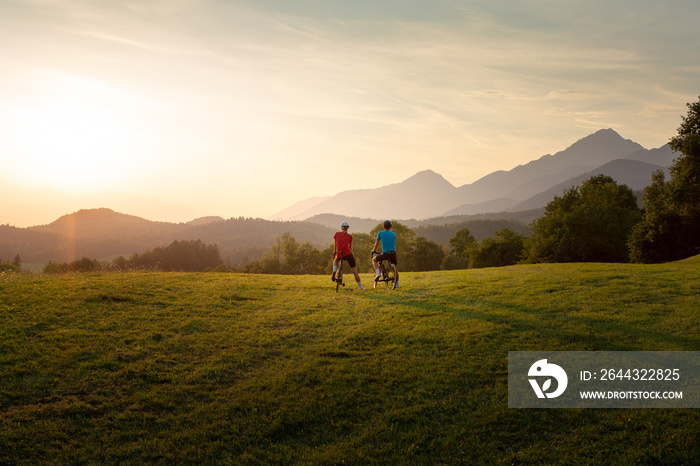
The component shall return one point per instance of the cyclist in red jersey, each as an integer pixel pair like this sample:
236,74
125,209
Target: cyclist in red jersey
343,248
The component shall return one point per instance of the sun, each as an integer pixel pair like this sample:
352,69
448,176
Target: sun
74,141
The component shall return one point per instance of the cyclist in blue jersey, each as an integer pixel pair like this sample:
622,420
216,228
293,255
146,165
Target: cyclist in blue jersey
388,240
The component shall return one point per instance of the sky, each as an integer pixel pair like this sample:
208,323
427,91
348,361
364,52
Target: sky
243,107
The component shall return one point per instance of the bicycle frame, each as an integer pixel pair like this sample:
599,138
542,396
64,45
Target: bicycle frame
387,274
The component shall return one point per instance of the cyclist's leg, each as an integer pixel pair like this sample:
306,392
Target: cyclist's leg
335,267
357,278
380,273
375,265
353,266
377,269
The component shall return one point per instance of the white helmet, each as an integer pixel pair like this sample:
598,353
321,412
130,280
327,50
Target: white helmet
344,225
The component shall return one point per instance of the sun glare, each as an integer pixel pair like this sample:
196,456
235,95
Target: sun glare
74,142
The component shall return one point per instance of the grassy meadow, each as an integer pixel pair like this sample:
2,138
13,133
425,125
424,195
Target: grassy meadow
211,368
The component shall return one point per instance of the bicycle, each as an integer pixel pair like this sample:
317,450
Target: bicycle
338,279
387,274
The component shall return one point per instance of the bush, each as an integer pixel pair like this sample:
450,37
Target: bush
506,248
8,267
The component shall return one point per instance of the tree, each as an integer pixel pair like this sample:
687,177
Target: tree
427,255
588,223
670,228
53,268
287,256
186,256
462,243
684,187
120,263
462,247
84,265
655,238
505,248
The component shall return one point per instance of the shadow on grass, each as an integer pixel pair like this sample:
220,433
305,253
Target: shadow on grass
599,334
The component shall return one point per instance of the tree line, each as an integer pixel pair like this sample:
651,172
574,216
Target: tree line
179,256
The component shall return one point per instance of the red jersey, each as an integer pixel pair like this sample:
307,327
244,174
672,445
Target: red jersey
343,244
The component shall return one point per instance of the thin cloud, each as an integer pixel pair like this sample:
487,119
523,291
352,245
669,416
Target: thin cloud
150,46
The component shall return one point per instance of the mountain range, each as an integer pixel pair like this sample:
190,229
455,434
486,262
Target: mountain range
104,234
427,194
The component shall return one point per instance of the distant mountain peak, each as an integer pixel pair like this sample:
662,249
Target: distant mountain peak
606,135
427,172
100,213
608,131
95,223
427,177
606,138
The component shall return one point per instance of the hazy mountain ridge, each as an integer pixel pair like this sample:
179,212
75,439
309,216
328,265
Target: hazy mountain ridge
407,199
427,194
533,177
104,224
298,207
103,234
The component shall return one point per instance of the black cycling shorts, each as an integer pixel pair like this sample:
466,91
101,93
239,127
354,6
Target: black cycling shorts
350,259
390,256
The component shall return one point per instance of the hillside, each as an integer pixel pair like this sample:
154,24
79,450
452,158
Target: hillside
104,224
103,234
241,369
663,156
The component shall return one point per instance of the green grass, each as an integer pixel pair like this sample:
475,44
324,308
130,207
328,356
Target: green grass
248,369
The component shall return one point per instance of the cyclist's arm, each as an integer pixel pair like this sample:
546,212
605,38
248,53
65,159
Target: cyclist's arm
376,245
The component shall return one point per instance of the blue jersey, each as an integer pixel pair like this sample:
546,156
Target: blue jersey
388,240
